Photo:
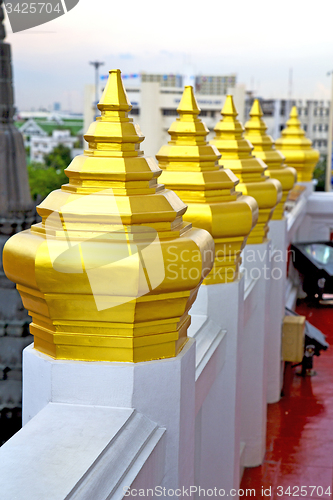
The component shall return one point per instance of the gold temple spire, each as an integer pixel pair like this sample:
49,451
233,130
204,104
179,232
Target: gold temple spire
297,148
114,96
256,110
188,103
190,168
255,132
102,275
237,156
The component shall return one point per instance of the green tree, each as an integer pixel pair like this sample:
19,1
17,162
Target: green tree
48,176
59,158
319,173
43,180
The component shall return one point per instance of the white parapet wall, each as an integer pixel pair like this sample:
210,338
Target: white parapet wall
163,391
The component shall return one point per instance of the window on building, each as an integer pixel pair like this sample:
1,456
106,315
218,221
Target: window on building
314,128
299,111
321,111
305,127
169,112
268,106
283,108
326,127
315,111
320,127
305,111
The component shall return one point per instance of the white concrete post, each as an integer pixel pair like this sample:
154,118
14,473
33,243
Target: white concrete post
162,390
150,118
257,268
218,419
279,256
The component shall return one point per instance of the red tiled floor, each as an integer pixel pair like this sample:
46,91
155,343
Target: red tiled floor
301,452
299,449
315,480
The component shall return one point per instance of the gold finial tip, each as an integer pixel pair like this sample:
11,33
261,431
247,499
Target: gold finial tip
256,109
114,96
188,102
293,112
229,108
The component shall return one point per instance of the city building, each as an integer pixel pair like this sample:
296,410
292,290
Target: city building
42,131
31,128
203,84
41,145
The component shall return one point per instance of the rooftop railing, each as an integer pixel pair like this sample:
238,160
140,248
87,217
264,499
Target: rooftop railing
123,391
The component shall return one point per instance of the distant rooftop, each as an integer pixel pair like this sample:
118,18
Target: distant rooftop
52,122
203,84
48,115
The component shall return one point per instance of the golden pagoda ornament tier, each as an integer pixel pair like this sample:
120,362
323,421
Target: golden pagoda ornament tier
297,148
190,168
103,275
255,132
237,156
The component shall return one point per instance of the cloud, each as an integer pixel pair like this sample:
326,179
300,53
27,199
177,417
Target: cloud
127,56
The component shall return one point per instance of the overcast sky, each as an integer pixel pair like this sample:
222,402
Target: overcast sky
259,40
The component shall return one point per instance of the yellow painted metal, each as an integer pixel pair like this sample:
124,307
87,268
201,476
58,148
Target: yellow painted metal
297,148
293,337
255,132
236,155
190,168
112,270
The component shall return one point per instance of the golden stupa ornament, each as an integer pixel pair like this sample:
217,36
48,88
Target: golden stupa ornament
263,144
236,155
190,168
103,275
297,148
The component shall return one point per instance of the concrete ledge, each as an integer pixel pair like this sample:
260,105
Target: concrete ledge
296,216
211,348
73,452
